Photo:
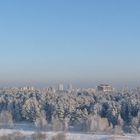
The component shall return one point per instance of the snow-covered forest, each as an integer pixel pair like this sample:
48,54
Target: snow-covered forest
110,112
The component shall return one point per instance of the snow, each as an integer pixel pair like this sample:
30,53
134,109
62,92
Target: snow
73,136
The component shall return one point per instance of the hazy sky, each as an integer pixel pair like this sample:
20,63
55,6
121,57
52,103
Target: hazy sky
78,41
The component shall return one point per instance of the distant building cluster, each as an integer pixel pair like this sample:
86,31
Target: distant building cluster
61,88
69,88
27,88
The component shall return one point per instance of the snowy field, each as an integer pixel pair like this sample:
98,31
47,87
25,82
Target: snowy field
73,136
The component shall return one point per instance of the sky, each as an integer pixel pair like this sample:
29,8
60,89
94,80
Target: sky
84,42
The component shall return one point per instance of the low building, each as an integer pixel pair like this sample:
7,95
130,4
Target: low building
105,88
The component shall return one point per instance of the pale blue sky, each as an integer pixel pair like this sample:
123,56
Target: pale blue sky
79,41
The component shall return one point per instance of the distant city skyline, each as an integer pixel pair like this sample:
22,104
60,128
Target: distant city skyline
80,42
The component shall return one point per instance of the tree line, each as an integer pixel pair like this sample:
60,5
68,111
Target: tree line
83,110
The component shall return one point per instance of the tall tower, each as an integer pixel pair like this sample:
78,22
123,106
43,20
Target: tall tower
60,87
69,88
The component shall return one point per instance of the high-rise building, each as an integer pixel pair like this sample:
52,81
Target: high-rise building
60,87
70,88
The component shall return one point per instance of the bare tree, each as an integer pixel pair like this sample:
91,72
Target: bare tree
6,119
38,136
41,121
59,136
57,125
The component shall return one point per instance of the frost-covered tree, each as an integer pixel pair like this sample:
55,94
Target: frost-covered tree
31,109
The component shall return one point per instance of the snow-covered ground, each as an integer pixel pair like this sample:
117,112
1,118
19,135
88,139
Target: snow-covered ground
74,136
